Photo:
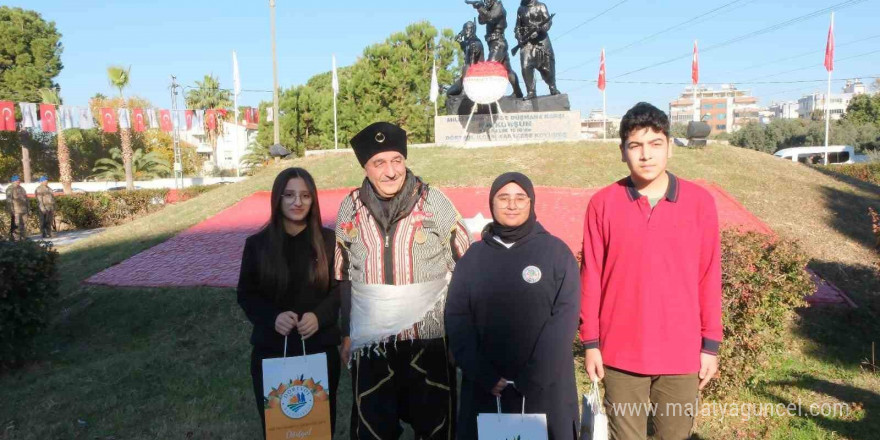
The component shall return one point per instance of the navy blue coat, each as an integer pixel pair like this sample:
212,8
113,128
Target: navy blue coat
513,313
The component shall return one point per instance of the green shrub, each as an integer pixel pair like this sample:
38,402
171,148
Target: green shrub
868,172
110,208
764,280
29,283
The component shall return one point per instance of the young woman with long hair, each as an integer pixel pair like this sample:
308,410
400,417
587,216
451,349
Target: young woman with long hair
285,287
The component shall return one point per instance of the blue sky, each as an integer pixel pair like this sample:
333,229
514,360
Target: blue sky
190,38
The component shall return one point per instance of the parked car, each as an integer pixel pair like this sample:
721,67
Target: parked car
837,154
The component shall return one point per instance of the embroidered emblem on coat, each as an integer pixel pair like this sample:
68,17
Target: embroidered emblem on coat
531,274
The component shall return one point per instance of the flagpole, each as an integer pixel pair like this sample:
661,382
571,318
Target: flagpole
236,90
828,101
696,86
604,118
335,87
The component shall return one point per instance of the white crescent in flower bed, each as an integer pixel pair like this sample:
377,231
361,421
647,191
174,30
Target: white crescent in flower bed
486,82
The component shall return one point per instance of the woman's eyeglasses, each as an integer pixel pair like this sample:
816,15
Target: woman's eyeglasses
518,201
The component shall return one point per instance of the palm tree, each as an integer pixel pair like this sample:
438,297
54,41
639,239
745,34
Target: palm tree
256,157
209,95
51,97
119,78
143,165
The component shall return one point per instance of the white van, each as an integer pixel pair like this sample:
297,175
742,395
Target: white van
837,154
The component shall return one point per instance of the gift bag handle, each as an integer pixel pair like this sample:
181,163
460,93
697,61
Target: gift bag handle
498,402
303,344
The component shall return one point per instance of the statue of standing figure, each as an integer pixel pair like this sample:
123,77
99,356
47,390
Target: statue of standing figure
533,21
494,16
473,53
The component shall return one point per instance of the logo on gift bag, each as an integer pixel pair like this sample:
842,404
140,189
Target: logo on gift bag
297,402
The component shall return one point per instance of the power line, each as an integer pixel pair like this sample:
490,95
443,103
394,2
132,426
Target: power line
672,83
690,21
752,34
812,66
590,19
801,55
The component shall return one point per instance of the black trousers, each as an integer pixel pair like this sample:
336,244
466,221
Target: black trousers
412,382
47,223
334,367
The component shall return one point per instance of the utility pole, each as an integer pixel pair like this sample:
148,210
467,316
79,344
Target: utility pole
275,114
178,165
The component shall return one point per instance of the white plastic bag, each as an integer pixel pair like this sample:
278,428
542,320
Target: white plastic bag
594,421
511,426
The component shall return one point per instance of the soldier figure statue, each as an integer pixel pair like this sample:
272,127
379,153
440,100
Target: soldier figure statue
532,24
494,16
473,53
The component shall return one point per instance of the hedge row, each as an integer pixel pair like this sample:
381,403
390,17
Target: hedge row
103,209
868,172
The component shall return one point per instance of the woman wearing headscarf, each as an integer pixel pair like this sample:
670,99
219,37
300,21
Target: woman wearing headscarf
511,316
285,287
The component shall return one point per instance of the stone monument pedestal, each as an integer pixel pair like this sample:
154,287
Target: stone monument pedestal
461,105
508,128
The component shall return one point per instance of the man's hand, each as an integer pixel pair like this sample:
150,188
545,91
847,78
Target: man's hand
307,325
593,361
285,322
708,368
533,36
345,350
499,387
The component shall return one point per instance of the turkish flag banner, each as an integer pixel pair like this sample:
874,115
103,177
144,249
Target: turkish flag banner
602,71
165,121
188,115
139,120
108,120
7,116
211,119
47,118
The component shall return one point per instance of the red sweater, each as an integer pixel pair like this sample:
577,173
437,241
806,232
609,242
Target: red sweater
651,279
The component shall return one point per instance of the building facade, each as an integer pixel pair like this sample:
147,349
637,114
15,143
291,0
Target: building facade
232,144
591,127
725,110
815,102
784,110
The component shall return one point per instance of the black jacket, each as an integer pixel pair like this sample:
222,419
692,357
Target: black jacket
513,313
262,304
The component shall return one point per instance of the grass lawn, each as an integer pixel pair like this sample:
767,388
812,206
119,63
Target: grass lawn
173,363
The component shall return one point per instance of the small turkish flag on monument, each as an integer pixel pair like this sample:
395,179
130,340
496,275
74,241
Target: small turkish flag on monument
165,121
7,116
695,66
108,120
829,47
47,117
139,122
602,71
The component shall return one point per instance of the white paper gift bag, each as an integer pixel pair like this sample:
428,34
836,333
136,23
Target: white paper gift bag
297,400
512,426
594,421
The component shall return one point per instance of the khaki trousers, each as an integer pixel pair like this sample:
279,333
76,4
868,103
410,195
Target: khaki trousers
631,400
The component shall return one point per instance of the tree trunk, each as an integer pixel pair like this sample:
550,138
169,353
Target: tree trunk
127,155
26,163
64,170
25,157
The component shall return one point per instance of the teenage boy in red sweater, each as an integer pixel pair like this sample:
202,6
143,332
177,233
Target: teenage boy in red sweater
651,287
